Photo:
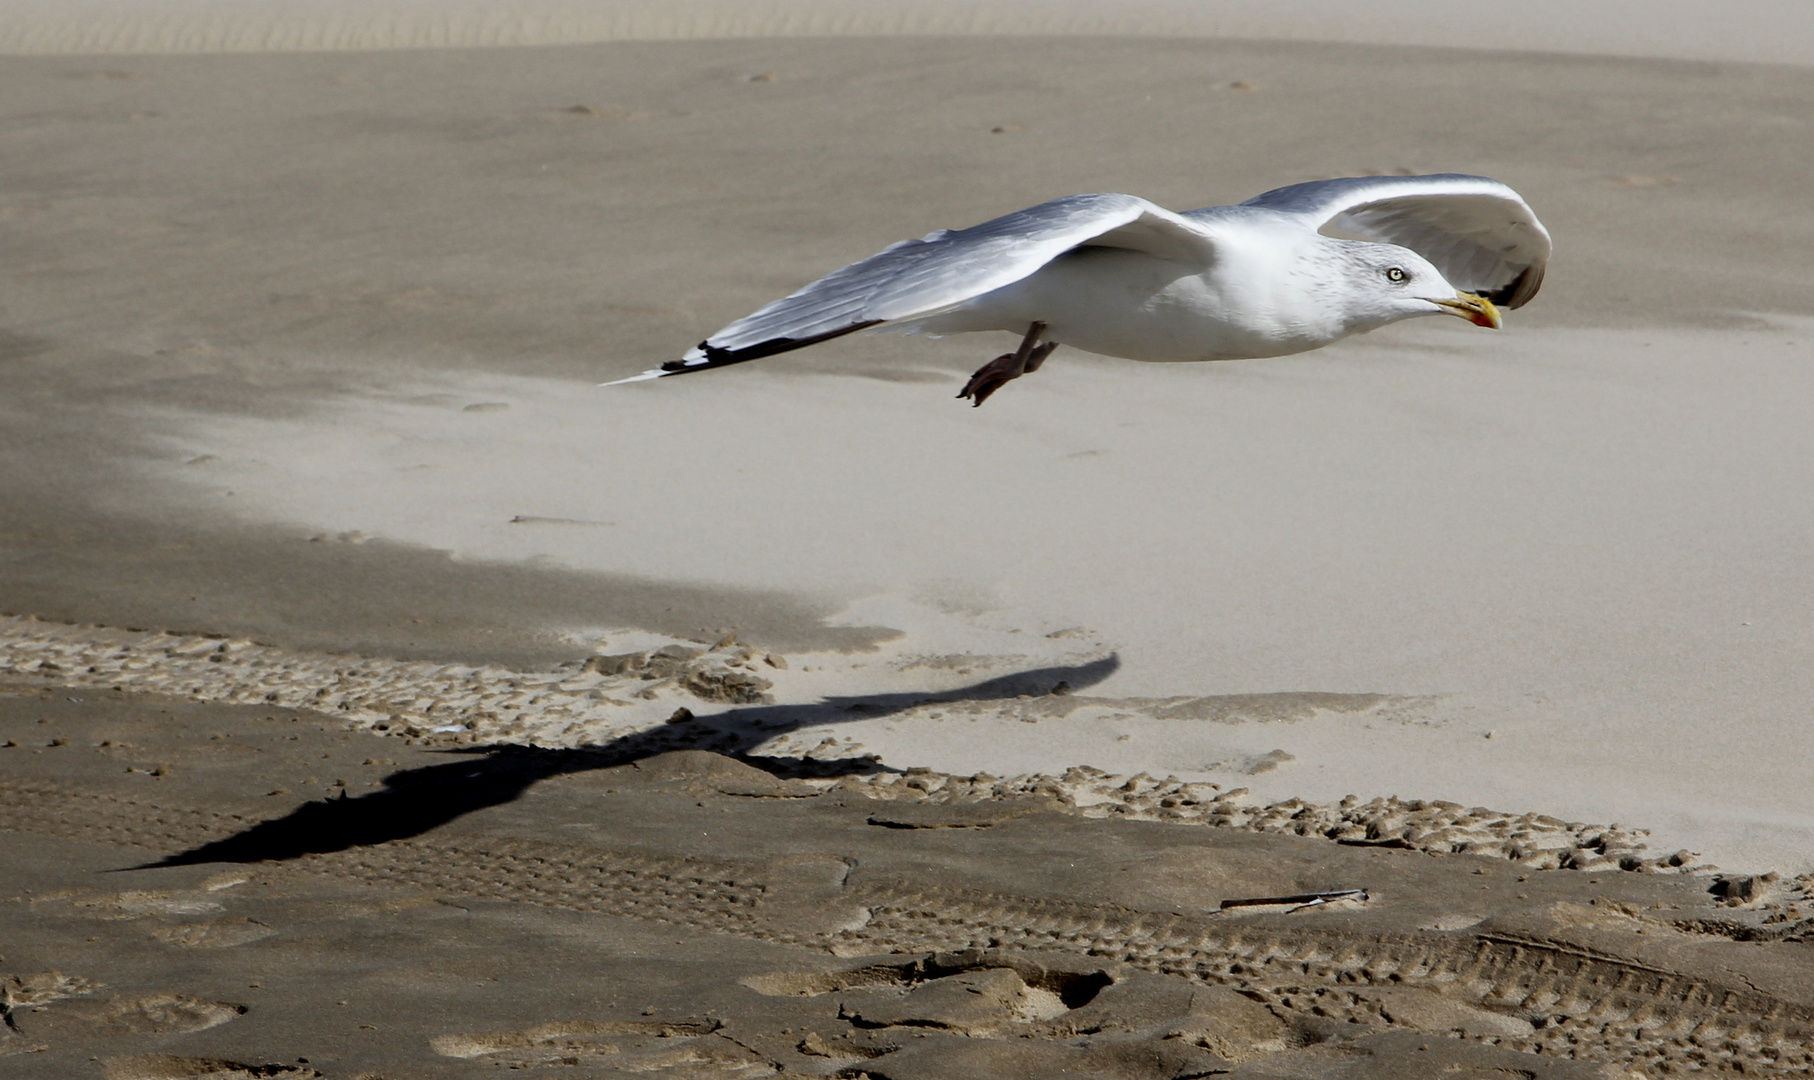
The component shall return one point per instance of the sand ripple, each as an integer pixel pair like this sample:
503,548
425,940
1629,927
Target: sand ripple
589,704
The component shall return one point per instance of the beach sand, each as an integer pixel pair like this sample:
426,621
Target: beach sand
234,891
298,354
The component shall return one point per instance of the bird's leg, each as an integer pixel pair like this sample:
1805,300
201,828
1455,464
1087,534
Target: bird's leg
997,373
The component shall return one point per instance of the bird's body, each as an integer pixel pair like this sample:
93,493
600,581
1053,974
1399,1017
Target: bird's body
1161,310
1117,275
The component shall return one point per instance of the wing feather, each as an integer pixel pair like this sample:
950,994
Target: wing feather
1480,233
916,278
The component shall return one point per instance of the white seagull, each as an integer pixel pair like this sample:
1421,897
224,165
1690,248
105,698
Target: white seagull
1284,272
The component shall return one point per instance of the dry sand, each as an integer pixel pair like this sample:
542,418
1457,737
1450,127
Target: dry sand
297,354
1747,31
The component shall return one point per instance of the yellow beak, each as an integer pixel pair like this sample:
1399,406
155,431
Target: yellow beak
1475,309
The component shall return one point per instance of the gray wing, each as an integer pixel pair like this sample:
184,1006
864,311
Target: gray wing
916,278
1478,232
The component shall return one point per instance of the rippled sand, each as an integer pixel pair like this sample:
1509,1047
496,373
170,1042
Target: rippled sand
433,710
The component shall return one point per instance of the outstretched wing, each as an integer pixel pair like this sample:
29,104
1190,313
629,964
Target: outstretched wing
916,278
1478,232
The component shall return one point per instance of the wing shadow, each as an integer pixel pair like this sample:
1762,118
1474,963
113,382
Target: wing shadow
414,801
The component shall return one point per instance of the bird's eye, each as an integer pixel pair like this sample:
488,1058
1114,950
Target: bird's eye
1396,275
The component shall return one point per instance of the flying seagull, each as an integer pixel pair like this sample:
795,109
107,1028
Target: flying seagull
1284,272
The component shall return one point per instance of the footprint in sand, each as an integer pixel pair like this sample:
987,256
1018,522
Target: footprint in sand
173,1067
161,1013
42,988
215,934
630,1046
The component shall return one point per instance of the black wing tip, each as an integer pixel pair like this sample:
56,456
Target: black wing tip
1519,290
717,356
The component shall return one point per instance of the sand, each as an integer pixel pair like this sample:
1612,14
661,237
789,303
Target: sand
299,346
1746,31
235,892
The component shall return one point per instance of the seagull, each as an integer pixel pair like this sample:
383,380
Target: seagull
1284,272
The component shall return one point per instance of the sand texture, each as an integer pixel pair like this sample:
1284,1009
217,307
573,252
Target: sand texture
683,914
380,698
302,348
1767,31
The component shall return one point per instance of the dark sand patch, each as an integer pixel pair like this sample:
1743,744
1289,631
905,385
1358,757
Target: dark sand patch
633,918
377,597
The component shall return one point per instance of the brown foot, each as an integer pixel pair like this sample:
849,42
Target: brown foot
989,378
1007,367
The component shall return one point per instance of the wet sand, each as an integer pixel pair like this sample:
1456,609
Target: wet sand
229,891
335,595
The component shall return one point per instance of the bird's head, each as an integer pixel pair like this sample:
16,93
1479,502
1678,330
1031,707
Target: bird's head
1383,283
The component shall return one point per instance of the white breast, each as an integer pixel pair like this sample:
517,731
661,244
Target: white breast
1253,302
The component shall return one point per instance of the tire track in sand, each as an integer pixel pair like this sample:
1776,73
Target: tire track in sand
1581,1004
